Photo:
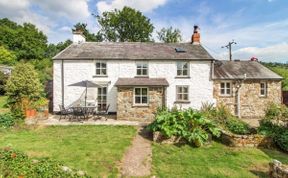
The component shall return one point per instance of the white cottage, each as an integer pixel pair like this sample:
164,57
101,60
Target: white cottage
135,78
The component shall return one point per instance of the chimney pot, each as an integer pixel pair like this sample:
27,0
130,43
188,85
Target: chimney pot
195,39
78,37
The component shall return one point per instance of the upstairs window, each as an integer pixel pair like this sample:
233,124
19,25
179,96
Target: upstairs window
263,89
182,69
182,93
101,69
140,96
225,88
142,69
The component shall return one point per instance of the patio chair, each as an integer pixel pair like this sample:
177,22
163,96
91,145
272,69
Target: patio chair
64,112
102,112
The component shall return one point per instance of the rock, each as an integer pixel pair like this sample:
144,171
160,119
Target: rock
66,169
80,173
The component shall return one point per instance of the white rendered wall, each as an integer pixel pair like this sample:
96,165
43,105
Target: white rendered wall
200,85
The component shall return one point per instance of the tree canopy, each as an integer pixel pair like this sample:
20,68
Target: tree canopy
7,57
168,35
25,40
125,25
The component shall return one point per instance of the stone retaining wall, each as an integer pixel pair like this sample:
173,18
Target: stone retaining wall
253,140
159,138
278,170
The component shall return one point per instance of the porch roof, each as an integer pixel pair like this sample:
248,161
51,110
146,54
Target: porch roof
141,82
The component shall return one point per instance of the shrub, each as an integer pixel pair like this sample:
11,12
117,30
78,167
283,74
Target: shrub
276,112
7,120
188,124
237,126
14,163
281,139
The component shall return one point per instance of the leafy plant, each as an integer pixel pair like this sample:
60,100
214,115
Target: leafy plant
7,120
238,127
14,163
188,124
276,112
281,139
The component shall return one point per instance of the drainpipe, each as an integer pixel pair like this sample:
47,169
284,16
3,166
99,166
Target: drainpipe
62,81
238,104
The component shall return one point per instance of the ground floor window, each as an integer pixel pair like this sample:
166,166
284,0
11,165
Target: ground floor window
263,89
102,98
140,96
182,93
225,88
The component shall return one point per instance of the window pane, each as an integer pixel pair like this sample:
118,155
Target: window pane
179,97
137,99
137,91
144,91
179,65
104,72
103,65
222,91
228,91
185,96
185,72
145,66
98,71
138,71
144,100
179,72
179,89
185,65
222,85
228,85
144,72
98,65
104,90
185,89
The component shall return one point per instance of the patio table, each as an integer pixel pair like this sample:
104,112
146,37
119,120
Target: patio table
84,112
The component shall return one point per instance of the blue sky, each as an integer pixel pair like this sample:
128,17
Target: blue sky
260,27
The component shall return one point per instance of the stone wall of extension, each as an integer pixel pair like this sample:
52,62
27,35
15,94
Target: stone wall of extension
252,105
278,170
127,110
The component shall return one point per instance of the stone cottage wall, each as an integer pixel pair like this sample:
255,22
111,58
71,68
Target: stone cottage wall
126,110
252,105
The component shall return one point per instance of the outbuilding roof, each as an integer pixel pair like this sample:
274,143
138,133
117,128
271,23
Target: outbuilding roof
134,51
141,82
228,70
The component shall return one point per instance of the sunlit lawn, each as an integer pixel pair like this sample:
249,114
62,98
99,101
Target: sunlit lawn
95,149
214,161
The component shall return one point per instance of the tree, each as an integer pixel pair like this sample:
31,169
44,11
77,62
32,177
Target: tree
168,35
89,36
25,40
3,80
125,25
53,49
22,85
7,57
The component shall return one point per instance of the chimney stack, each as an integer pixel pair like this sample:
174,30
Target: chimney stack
195,39
78,37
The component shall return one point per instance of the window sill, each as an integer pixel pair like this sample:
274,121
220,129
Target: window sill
140,105
182,102
141,76
263,96
99,76
182,77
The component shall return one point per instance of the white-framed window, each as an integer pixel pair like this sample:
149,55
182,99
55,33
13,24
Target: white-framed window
141,96
182,69
225,88
102,98
263,89
182,93
101,68
142,69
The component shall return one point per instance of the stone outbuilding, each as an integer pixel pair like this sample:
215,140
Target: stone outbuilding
245,87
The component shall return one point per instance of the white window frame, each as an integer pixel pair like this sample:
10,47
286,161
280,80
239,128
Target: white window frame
182,93
263,89
140,95
226,88
182,63
141,66
100,68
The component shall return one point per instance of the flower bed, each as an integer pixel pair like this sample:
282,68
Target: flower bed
278,170
253,140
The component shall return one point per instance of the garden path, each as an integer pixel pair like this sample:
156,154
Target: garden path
137,160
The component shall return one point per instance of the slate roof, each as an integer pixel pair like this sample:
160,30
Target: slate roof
227,70
141,82
134,51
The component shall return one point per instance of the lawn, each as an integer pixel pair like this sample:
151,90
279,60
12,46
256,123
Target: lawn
95,149
213,161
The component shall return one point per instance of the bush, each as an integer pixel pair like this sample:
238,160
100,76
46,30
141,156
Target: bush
188,124
281,139
237,126
224,118
276,112
14,163
7,120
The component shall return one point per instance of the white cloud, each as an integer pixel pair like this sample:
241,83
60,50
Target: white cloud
142,5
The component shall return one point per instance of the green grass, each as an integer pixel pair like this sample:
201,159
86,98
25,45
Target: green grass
3,101
95,149
214,161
